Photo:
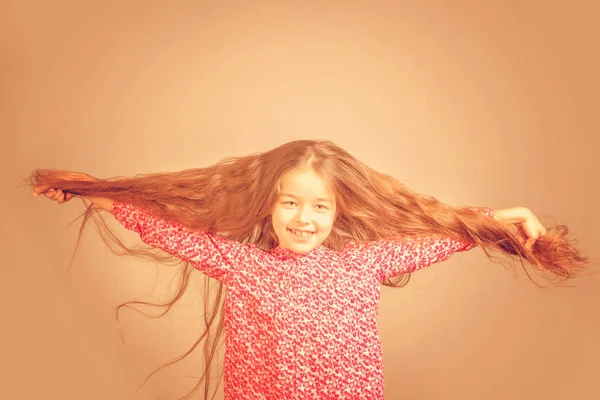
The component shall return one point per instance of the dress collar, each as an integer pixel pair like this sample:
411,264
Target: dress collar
287,254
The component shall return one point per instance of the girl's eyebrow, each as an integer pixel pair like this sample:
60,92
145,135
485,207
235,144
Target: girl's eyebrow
323,199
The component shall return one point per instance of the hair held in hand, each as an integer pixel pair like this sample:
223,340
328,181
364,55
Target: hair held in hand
234,198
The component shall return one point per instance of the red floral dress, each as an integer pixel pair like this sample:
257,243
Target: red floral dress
297,326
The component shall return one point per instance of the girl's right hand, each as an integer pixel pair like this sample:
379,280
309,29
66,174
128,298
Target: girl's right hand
54,194
57,194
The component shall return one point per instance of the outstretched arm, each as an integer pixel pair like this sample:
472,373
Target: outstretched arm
213,255
388,258
216,256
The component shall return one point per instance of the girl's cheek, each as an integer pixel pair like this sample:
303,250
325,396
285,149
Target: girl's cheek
286,216
326,219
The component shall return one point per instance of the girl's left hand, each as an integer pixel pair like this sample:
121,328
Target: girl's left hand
529,228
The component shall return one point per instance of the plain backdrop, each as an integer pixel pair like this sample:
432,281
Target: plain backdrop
476,103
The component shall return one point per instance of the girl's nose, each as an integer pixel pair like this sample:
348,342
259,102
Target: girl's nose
304,216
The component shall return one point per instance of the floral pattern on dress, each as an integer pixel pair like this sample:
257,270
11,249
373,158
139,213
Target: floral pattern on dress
298,326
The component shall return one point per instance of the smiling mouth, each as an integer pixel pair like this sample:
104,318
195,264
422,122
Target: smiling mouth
302,234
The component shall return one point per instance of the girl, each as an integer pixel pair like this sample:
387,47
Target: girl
302,237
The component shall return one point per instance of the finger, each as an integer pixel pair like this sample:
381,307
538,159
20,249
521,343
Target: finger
531,229
532,235
50,193
55,194
519,235
69,196
40,189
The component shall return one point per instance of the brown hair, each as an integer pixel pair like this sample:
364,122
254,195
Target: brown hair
235,196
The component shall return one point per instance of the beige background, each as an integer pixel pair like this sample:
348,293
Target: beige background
475,103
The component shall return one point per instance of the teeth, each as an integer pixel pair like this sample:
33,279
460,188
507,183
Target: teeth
302,234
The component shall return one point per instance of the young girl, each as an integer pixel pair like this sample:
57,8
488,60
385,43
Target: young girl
302,237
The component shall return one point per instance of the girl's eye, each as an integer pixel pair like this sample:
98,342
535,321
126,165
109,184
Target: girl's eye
292,203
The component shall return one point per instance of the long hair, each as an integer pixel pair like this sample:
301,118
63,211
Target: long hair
234,198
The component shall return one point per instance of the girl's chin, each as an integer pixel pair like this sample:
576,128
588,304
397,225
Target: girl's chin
302,252
300,248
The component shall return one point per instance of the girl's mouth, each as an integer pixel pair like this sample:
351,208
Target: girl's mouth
301,234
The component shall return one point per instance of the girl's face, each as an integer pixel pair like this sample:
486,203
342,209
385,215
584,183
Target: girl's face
305,211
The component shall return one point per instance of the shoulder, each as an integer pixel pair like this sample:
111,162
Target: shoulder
355,251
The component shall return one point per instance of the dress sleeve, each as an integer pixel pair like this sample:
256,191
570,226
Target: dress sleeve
213,255
388,258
